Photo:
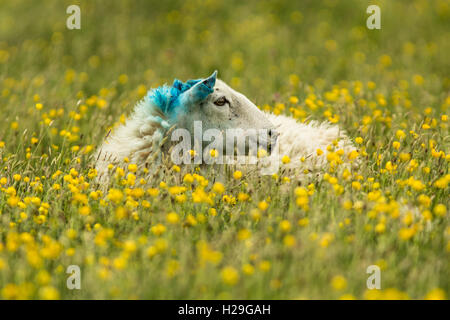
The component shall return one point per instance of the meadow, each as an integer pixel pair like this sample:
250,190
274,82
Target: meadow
179,232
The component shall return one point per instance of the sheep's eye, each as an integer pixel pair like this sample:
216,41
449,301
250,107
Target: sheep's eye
221,101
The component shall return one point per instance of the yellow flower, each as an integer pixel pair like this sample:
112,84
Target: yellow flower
115,195
255,214
120,263
405,156
188,178
356,185
302,202
104,273
285,226
123,79
230,276
173,266
440,210
389,166
48,293
218,188
173,218
84,211
132,167
338,283
11,291
359,140
191,221
301,192
406,233
353,155
71,233
176,190
43,277
151,251
261,153
13,201
332,180
237,175
153,192
264,266
243,234
326,239
348,205
285,159
303,222
158,229
385,60
289,240
263,205
293,100
319,152
121,213
436,294
243,196
214,153
400,134
380,228
206,254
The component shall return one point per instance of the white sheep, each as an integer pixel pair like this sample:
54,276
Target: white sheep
220,110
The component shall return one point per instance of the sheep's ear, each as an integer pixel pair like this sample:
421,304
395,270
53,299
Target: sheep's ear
210,82
203,88
199,91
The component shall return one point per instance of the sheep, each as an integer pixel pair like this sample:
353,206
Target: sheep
219,109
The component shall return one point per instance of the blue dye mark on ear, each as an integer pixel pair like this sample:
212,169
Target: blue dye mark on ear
210,82
171,100
202,91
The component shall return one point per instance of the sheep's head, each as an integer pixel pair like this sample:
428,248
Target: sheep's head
214,104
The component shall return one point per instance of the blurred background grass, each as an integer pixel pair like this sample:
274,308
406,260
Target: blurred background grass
263,41
255,45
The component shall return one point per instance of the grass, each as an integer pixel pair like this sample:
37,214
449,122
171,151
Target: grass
177,234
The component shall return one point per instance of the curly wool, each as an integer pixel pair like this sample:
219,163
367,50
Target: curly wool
302,141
